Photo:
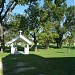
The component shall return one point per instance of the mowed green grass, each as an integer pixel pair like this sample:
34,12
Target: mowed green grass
44,62
48,53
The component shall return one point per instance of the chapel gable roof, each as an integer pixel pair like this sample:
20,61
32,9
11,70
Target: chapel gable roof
19,36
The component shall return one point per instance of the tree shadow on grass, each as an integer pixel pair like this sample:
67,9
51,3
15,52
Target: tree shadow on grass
7,49
18,64
71,47
38,47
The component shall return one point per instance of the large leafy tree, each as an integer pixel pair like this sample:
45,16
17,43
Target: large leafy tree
33,18
56,10
60,11
70,23
6,8
3,14
46,36
70,19
60,31
19,22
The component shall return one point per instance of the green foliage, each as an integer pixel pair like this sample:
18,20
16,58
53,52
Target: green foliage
46,37
23,2
70,18
33,20
60,30
51,16
19,22
33,16
12,33
0,1
59,3
55,13
40,20
70,24
6,8
43,15
55,35
73,34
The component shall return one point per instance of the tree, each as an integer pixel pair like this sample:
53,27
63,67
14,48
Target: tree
33,18
48,33
18,22
70,23
56,12
2,16
60,31
4,10
46,36
70,19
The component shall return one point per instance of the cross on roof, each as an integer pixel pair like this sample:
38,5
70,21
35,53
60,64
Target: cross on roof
20,32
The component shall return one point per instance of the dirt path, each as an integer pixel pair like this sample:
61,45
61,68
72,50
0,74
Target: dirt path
0,65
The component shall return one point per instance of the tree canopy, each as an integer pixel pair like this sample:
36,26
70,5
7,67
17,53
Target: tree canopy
45,24
6,9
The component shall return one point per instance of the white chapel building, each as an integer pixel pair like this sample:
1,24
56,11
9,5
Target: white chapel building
13,49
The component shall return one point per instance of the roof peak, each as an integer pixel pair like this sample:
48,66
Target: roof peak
20,32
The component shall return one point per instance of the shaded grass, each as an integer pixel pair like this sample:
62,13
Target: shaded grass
45,66
47,62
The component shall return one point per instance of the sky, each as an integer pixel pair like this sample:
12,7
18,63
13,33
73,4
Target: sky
70,2
20,9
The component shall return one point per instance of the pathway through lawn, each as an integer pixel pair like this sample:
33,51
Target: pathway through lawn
0,65
1,68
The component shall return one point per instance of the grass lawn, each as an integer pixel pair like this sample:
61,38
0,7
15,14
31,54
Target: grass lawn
63,52
44,62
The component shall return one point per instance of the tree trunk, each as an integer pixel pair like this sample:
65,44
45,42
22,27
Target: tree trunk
35,47
35,42
10,7
46,46
59,42
2,37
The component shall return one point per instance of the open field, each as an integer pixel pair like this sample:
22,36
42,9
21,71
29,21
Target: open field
44,62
